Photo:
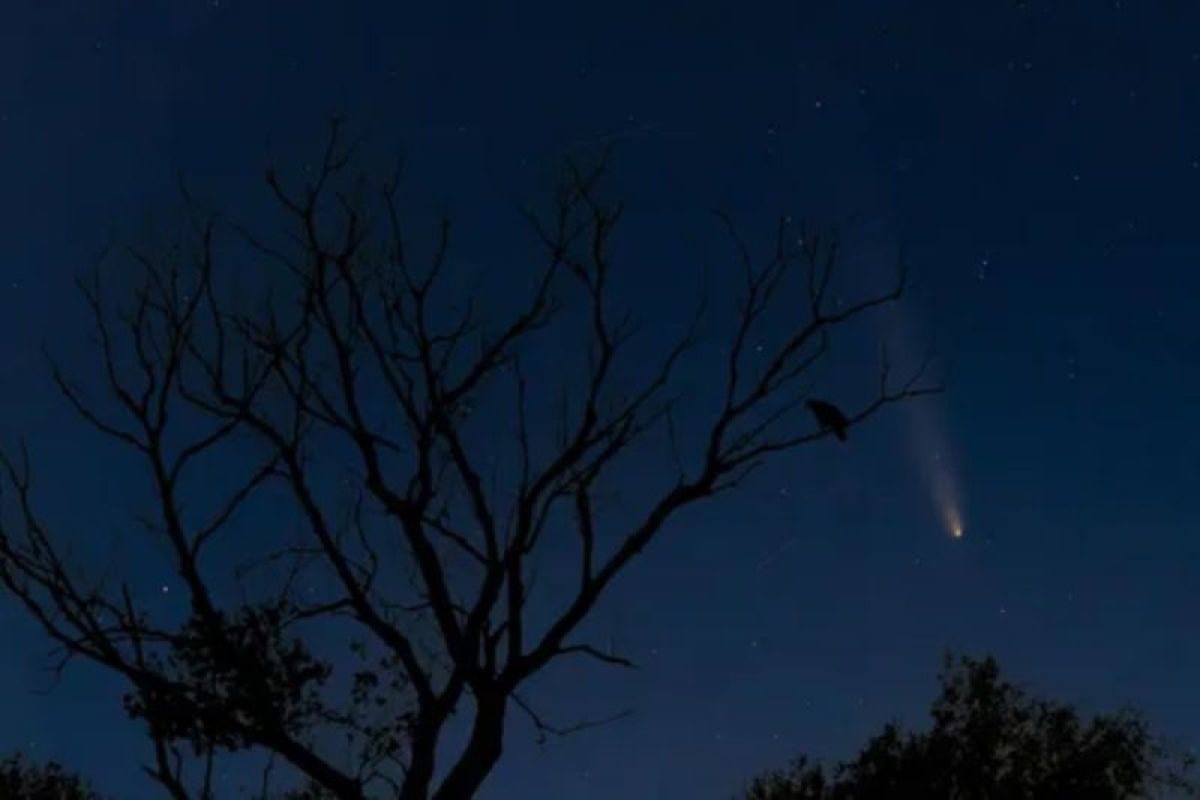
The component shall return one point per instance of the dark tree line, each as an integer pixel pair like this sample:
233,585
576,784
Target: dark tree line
417,555
989,740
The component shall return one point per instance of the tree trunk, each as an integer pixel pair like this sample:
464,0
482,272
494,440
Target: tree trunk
481,753
420,768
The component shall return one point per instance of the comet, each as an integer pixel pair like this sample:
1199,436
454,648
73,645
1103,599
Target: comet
932,446
941,477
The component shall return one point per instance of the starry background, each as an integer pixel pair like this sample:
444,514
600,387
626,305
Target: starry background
1039,160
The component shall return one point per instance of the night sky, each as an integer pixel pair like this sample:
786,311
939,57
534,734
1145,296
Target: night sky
1040,163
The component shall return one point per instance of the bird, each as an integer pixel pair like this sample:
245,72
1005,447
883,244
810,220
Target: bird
829,417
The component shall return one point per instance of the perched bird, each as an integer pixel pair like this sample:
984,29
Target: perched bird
829,417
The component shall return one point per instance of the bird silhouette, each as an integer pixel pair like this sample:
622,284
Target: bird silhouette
829,417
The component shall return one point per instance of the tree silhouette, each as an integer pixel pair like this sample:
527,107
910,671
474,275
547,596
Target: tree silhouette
401,605
22,780
990,739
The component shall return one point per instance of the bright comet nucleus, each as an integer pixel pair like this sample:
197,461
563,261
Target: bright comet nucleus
953,520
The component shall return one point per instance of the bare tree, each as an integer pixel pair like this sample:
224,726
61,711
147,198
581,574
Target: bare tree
427,566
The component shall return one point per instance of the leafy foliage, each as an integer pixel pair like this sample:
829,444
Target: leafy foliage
990,739
22,780
233,672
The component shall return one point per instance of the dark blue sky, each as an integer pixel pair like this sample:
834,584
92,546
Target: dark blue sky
1040,161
